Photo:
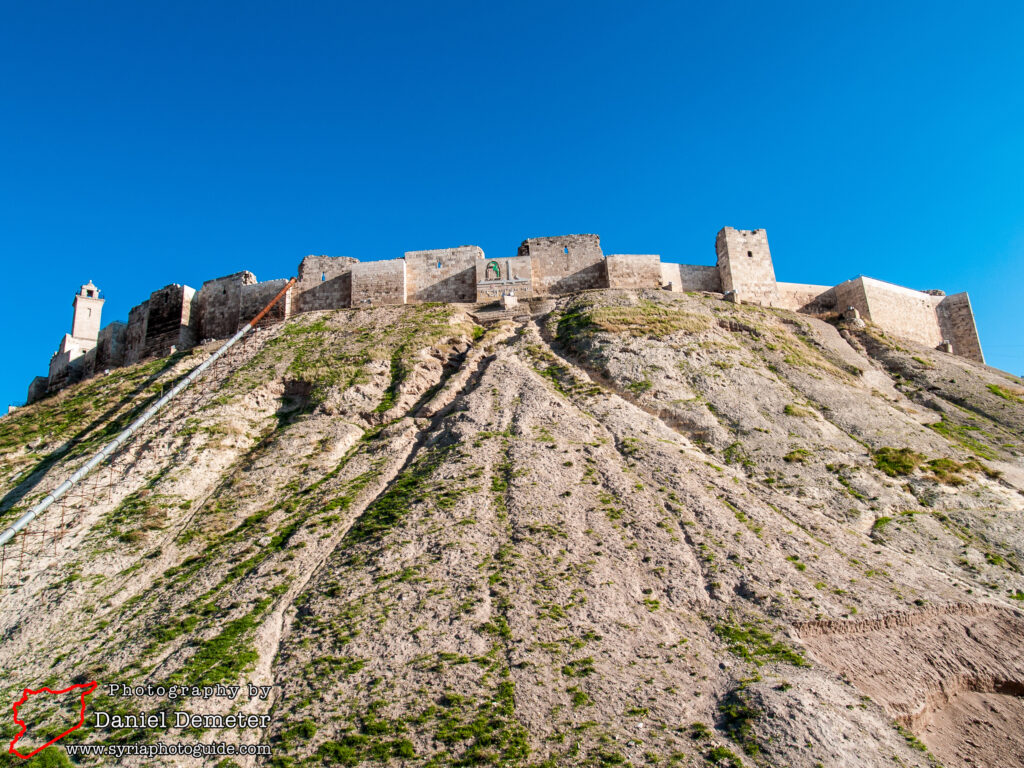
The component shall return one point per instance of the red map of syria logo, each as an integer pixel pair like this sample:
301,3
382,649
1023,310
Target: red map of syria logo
86,689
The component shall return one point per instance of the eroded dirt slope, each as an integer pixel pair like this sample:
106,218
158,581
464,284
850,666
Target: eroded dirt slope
638,529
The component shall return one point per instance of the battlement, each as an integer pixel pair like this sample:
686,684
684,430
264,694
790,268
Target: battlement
176,316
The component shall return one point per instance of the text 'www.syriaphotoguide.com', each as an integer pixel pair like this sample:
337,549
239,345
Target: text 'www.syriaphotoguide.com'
192,749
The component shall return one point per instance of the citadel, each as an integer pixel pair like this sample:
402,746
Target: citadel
177,317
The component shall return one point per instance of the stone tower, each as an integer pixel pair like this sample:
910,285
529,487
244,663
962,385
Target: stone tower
85,326
745,265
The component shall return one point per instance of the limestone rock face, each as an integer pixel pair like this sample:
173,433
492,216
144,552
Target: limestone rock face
630,528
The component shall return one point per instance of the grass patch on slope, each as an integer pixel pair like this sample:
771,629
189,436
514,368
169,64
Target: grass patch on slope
647,318
897,462
1005,394
332,351
748,641
961,434
75,408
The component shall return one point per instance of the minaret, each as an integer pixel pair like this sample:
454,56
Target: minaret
86,323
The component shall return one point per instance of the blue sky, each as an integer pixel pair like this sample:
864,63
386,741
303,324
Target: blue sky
148,143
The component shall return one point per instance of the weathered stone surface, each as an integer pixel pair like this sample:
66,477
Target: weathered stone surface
220,303
566,263
171,321
445,274
324,282
37,389
110,347
378,282
88,308
803,297
690,277
745,263
257,295
926,318
956,318
135,336
633,270
543,267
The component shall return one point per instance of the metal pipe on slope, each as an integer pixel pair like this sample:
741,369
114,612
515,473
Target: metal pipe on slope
110,448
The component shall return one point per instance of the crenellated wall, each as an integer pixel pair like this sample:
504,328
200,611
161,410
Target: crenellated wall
176,316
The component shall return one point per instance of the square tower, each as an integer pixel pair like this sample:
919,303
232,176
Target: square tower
85,325
745,265
565,263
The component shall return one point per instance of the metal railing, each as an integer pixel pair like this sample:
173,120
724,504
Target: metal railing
111,448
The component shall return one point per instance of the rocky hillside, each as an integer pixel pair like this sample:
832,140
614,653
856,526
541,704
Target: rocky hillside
628,529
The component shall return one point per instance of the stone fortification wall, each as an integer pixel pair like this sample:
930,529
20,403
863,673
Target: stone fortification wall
807,298
220,303
584,246
565,264
324,282
257,295
37,389
135,335
58,370
170,321
110,347
690,277
176,316
445,274
73,359
745,263
904,312
378,282
633,270
497,277
956,318
851,294
901,311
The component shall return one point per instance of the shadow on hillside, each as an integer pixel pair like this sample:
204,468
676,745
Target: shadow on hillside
114,425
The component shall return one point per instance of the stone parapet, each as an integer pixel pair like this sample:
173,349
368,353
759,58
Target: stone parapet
178,317
445,274
633,270
378,282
